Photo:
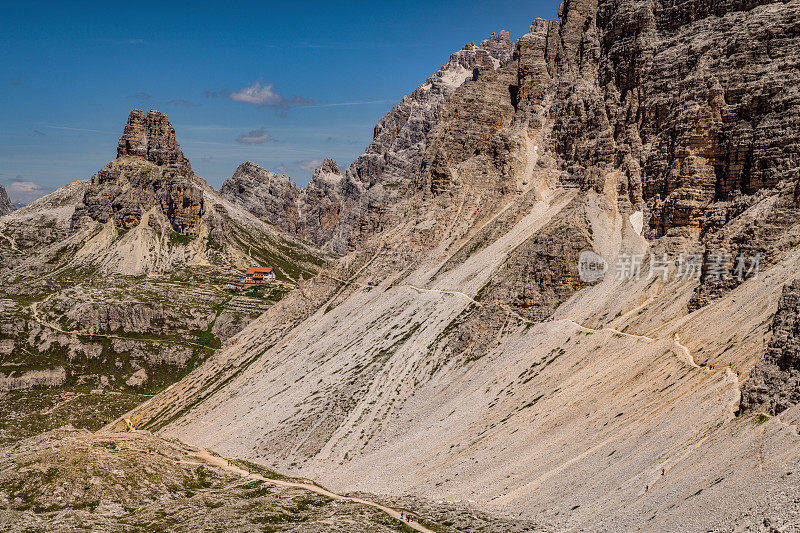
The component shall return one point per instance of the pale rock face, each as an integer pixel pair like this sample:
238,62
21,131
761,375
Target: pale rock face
320,204
774,384
33,378
152,137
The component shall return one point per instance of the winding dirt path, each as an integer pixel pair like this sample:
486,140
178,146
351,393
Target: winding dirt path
219,462
676,339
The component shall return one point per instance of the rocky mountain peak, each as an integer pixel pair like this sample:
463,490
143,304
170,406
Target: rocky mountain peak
152,137
539,26
329,165
5,203
150,172
259,174
268,195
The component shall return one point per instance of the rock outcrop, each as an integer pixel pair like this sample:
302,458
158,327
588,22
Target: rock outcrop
268,195
5,202
774,384
33,378
311,213
150,176
321,203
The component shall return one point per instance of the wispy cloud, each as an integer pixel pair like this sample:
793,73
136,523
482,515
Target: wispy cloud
309,165
261,95
23,186
127,42
259,136
180,102
69,128
142,96
368,102
283,169
256,94
348,45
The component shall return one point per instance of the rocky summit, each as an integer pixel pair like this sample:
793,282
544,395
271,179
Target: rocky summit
558,291
150,176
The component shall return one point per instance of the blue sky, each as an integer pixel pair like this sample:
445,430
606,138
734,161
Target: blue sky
281,84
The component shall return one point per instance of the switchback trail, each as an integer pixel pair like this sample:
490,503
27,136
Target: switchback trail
219,462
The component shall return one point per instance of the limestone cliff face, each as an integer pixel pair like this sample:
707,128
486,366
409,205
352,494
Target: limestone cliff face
685,110
374,179
150,176
5,202
320,204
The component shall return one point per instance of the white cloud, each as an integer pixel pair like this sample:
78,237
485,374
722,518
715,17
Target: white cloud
309,165
259,136
262,96
19,187
257,95
24,191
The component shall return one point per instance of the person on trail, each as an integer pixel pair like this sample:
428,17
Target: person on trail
663,471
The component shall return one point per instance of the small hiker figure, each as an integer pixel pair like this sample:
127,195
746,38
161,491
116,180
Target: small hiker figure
402,514
663,471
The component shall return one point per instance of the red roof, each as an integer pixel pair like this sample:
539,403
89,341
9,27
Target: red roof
258,270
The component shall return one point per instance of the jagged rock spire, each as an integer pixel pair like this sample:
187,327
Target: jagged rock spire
161,177
153,138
